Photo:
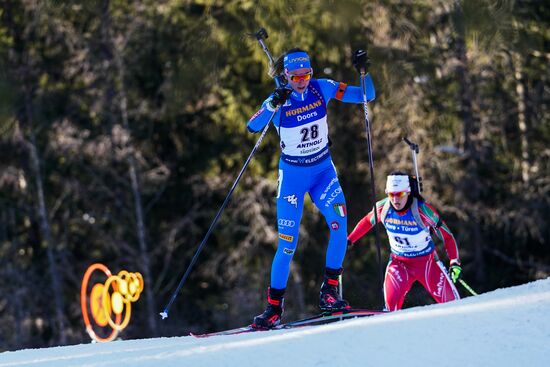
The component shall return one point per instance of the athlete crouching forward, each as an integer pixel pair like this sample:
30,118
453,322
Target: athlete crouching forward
300,117
409,223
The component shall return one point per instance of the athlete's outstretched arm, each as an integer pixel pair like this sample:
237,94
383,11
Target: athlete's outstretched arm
346,93
366,223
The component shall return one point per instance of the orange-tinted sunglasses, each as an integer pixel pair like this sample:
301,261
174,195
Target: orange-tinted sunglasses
298,78
401,194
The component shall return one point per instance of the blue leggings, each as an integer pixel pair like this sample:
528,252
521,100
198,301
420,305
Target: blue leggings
321,182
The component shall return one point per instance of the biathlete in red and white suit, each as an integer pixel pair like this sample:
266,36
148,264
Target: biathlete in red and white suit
409,223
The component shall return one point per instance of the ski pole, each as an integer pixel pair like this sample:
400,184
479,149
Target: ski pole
414,151
164,313
340,286
260,35
360,59
340,289
467,287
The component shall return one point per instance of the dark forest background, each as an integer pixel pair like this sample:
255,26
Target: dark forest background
123,126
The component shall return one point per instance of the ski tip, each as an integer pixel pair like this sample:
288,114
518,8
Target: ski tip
201,336
240,330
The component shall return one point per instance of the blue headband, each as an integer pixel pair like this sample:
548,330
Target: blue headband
296,60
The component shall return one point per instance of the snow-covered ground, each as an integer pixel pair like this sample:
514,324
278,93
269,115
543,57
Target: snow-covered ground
506,327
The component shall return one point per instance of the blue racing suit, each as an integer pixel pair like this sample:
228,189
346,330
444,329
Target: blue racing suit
306,166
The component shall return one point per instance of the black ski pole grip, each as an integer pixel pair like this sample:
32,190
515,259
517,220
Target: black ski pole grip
412,145
261,34
360,60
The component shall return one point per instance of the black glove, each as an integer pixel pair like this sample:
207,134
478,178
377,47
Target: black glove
361,61
280,95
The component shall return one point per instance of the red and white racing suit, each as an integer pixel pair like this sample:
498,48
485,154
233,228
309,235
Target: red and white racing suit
413,256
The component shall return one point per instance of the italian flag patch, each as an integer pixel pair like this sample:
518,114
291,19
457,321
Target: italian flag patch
340,209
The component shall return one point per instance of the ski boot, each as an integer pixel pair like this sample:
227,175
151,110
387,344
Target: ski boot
274,311
329,296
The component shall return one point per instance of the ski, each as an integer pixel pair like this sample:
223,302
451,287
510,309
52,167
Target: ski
239,330
322,318
329,316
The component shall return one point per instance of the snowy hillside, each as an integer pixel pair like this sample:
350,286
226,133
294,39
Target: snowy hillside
507,327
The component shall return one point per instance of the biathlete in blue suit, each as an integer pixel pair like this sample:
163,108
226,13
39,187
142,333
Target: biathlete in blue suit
300,109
